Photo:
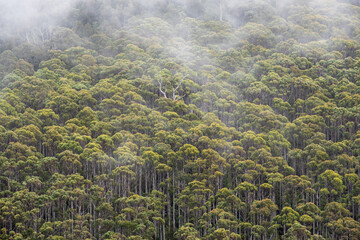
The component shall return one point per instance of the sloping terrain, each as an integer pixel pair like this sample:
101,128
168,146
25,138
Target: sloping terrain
181,120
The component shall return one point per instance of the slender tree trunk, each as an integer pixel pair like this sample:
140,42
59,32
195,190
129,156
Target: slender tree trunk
220,10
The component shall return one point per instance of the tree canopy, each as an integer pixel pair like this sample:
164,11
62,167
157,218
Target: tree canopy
183,120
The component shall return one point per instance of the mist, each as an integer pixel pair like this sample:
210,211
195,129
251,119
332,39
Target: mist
173,22
19,18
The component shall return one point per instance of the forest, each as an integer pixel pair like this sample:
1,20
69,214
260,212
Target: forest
180,119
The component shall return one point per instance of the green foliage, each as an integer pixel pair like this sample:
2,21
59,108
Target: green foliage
183,120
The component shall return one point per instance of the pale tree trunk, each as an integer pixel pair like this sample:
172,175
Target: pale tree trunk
220,10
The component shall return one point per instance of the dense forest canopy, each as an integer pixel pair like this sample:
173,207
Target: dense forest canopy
170,119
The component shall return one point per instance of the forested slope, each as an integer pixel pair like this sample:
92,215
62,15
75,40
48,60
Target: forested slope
183,120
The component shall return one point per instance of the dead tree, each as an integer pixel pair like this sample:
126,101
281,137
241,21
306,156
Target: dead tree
160,85
174,89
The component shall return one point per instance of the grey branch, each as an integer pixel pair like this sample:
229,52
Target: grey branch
174,97
160,85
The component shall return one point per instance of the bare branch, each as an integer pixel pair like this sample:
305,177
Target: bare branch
160,85
177,87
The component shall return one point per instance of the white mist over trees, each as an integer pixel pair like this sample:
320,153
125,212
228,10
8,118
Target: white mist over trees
25,17
19,16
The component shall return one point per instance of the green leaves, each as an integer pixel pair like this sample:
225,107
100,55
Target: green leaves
176,125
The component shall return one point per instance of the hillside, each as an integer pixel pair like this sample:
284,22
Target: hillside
169,119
